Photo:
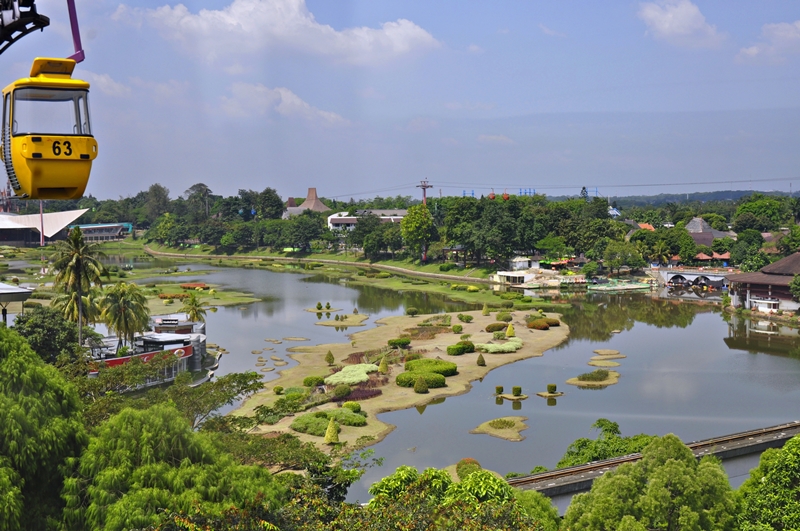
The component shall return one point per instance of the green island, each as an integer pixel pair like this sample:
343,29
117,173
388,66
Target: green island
508,428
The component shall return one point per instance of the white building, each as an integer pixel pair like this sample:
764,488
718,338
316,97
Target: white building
343,220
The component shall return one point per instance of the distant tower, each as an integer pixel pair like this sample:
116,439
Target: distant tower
424,185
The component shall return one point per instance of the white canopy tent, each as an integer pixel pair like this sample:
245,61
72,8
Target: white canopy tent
53,221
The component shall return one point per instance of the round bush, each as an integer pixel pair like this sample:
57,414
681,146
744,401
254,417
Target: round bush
420,386
464,318
457,329
412,311
355,407
278,389
469,346
551,388
516,390
498,390
539,324
507,304
552,322
342,391
504,316
445,368
498,335
456,350
496,327
401,342
409,379
467,466
313,381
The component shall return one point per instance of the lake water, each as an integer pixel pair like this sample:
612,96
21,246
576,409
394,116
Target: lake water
687,371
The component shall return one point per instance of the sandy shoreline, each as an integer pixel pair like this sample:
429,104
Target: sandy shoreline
311,361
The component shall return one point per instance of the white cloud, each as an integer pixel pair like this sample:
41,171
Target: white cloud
552,33
248,99
105,84
474,48
778,40
169,90
679,22
255,25
468,106
495,139
421,124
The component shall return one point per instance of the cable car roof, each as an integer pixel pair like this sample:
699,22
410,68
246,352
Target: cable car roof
50,72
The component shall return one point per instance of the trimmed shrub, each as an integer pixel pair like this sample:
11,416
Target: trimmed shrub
411,356
352,374
498,390
278,389
346,417
498,335
31,304
467,466
420,386
485,310
355,407
456,350
401,342
457,329
341,391
496,327
510,330
465,337
409,379
516,390
551,321
319,306
512,345
469,346
539,324
311,424
502,424
481,362
383,274
383,368
446,267
360,394
595,376
551,388
464,318
507,304
445,368
473,289
504,316
332,432
329,358
313,381
412,311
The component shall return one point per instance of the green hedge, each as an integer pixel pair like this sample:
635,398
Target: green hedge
552,322
445,368
464,318
504,316
408,379
539,324
496,327
317,423
456,350
469,346
313,381
401,342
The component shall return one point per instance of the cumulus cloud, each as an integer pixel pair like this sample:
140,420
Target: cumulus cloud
105,84
249,99
495,139
162,91
679,22
552,33
778,40
256,25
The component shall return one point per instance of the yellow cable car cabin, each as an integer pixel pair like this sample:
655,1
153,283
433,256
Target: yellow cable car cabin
47,143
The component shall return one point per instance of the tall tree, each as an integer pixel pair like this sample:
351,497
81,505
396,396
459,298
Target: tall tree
198,195
667,489
157,202
269,204
78,268
48,332
41,429
418,229
125,311
67,304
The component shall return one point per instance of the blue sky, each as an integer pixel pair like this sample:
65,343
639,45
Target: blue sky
368,97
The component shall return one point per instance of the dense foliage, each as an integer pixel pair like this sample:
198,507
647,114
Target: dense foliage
771,496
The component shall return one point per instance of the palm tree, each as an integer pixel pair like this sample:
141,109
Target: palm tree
125,311
660,252
194,308
77,268
67,304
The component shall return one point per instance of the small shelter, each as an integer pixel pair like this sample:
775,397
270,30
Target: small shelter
9,294
767,290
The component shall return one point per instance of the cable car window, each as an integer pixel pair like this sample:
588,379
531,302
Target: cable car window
49,112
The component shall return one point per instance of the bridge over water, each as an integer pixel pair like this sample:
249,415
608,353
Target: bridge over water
694,277
739,453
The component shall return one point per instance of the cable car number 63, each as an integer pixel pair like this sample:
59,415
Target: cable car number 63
67,148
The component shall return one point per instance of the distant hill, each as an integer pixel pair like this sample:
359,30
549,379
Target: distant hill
660,199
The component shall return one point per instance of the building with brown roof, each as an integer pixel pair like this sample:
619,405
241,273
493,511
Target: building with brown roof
312,203
766,290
